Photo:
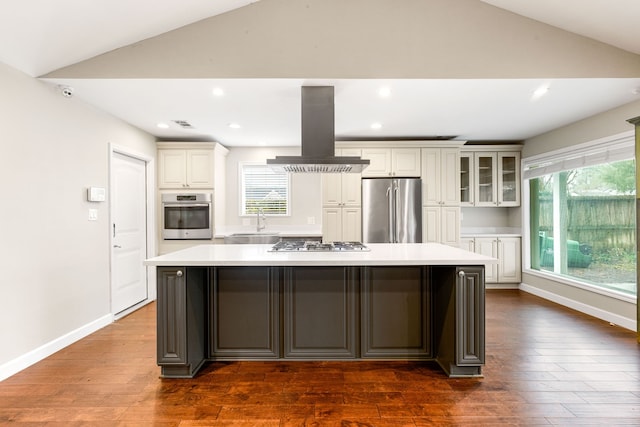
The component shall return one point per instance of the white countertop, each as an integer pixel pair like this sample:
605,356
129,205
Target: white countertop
379,254
490,231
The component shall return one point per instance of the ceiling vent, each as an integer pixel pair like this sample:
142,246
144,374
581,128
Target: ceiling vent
183,124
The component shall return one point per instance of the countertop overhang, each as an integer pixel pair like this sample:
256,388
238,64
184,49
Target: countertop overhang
380,254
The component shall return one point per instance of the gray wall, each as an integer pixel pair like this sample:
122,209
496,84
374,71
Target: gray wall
363,39
306,195
54,262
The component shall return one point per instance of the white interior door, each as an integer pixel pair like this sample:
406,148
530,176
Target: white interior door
128,232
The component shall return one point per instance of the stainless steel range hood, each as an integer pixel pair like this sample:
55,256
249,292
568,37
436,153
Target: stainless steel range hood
318,138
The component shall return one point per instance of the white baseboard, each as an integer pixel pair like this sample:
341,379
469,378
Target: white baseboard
501,286
22,362
598,313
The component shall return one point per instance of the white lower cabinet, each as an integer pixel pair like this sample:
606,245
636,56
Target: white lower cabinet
506,249
342,224
441,224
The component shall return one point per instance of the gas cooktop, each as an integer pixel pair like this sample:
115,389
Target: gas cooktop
314,246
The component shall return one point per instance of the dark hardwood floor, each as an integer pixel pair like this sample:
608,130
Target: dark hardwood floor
546,365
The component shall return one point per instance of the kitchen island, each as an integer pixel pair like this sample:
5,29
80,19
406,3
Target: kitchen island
395,301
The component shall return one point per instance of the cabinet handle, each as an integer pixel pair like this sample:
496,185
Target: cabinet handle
179,273
461,274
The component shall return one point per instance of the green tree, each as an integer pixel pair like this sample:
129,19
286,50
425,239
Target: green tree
620,176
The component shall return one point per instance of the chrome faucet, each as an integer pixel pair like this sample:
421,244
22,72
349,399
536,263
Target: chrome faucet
264,220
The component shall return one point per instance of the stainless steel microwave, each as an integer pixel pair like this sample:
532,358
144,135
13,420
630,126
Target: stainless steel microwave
186,216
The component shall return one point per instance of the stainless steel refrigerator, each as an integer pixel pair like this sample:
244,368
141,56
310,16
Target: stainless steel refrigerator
391,210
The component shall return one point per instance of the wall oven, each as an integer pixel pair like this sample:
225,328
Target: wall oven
186,216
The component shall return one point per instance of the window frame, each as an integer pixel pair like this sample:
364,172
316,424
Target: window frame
613,148
241,199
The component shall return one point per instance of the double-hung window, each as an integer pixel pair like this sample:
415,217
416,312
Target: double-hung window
581,215
263,188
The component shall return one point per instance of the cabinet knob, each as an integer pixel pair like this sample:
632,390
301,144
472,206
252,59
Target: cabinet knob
179,273
461,274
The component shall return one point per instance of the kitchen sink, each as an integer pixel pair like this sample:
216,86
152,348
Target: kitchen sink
252,238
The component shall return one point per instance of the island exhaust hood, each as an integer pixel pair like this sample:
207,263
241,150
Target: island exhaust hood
318,138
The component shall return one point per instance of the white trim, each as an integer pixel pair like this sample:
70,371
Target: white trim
585,146
604,150
598,313
16,365
133,308
501,286
569,281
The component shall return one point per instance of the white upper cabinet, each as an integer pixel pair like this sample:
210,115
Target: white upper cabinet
389,162
441,195
342,189
341,200
485,178
509,179
188,168
490,178
440,177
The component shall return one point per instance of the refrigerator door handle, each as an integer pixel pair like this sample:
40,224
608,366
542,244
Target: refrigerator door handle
390,207
396,214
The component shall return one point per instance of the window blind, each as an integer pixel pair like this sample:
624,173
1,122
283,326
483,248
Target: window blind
591,154
263,188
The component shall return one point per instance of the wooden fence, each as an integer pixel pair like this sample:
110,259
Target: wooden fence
602,222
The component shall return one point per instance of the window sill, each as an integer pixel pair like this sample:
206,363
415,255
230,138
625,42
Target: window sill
584,286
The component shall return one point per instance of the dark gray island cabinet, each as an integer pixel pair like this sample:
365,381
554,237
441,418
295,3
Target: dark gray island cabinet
228,303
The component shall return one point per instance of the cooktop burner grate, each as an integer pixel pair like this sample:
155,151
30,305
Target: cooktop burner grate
315,246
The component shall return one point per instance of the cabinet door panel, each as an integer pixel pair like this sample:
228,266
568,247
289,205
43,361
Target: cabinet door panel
351,224
431,224
200,168
319,312
431,177
450,225
181,320
331,224
245,312
509,179
467,179
470,301
380,162
405,162
172,321
450,167
396,316
351,189
488,246
172,170
510,261
331,189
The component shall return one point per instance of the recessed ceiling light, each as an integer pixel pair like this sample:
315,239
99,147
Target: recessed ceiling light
376,125
234,126
218,92
384,92
162,125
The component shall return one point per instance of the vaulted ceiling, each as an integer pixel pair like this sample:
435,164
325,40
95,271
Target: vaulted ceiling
61,39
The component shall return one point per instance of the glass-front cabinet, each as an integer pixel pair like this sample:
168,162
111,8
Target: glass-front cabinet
466,179
485,178
509,179
490,178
